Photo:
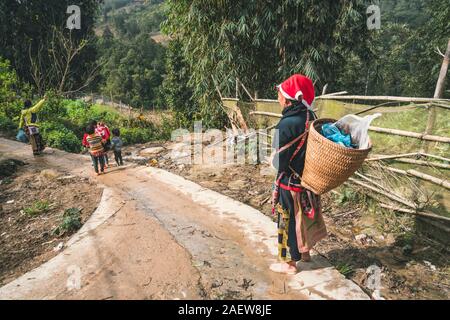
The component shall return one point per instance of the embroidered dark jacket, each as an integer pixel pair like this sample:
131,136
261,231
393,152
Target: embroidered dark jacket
291,125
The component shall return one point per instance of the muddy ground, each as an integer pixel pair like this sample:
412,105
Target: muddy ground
361,234
32,204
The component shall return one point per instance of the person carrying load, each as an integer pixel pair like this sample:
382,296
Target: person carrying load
29,123
300,222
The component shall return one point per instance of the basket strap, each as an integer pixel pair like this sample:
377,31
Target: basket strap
302,136
302,139
290,144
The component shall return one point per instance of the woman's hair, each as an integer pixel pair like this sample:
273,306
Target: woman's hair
27,104
116,132
93,123
90,129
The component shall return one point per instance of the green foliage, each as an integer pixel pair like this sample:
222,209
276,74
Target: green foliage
138,19
345,269
8,80
71,222
40,206
347,195
62,123
80,113
6,124
10,89
62,138
132,62
164,130
402,59
6,181
53,109
110,5
136,135
28,32
177,92
260,42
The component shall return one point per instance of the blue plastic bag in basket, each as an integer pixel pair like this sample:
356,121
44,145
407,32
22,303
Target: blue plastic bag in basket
332,132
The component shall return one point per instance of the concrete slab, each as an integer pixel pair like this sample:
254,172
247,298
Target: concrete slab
317,279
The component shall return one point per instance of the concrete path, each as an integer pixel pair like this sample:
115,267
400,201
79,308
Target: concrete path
156,235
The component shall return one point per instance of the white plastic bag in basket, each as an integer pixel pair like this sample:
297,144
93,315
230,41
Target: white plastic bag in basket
358,128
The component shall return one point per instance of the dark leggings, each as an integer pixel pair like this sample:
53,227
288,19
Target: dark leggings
287,203
118,157
98,160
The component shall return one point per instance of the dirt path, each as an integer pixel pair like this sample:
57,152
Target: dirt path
158,236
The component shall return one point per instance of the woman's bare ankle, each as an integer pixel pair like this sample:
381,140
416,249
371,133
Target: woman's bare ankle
306,257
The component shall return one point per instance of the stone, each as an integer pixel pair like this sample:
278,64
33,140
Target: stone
136,159
49,174
238,184
390,239
66,178
376,295
149,152
59,247
430,265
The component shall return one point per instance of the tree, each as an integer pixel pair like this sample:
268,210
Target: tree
403,58
176,92
132,71
29,38
262,42
132,63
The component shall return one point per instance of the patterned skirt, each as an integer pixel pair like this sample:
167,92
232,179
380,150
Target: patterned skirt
300,223
36,141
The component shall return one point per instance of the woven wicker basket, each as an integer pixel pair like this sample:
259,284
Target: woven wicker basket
328,164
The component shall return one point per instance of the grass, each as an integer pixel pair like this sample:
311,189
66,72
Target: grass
71,222
385,221
6,181
39,207
347,195
388,221
345,269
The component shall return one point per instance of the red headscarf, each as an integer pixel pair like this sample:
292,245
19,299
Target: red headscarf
297,86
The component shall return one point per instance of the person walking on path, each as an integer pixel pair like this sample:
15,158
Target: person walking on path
95,144
103,130
116,145
29,123
300,222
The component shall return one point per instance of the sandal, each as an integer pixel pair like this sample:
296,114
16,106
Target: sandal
283,267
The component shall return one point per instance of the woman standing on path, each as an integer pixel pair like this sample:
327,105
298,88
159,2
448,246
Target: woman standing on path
28,122
300,222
